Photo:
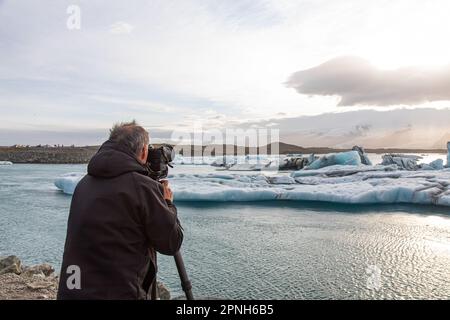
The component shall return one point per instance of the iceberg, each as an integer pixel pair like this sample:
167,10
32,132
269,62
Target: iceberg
248,163
296,163
403,161
362,154
437,164
360,184
256,157
195,160
448,154
224,161
342,158
368,185
179,160
68,182
5,163
354,157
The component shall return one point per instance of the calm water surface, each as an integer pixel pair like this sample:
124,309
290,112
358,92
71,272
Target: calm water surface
261,250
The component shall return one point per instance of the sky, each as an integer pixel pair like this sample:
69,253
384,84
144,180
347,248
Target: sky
173,64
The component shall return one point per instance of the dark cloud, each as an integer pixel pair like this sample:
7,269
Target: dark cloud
358,82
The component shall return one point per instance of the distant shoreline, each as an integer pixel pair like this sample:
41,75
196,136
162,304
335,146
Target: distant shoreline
80,155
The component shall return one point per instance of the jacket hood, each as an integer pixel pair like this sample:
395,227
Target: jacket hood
111,161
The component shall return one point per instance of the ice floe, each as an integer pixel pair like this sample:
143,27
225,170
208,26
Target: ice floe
360,184
68,182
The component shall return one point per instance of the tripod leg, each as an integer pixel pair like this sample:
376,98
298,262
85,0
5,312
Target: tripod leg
185,283
154,293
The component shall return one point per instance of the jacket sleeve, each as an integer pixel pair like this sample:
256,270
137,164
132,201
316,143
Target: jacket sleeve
161,225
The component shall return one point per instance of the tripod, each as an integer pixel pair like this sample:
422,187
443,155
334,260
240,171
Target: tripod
185,282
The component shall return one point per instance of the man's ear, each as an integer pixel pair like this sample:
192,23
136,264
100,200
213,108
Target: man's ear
144,153
141,157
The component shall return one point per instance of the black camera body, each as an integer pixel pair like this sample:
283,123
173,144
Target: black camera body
159,160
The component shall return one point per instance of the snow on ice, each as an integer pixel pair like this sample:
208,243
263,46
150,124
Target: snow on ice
359,184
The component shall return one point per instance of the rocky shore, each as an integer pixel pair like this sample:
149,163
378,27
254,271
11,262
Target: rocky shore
43,154
75,155
18,282
37,282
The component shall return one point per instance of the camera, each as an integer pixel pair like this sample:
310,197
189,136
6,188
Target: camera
159,160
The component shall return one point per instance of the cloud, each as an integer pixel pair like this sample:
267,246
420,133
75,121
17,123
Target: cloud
121,27
136,104
229,56
358,82
397,128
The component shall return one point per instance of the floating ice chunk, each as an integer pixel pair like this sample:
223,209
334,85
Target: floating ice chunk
448,154
5,163
373,185
341,158
362,154
248,163
295,163
224,161
68,182
256,157
194,160
403,161
339,184
437,164
179,159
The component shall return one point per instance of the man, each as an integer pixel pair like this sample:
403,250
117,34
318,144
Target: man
118,218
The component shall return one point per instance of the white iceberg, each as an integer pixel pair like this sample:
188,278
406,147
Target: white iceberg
370,185
68,182
339,184
5,163
403,161
248,162
195,160
224,161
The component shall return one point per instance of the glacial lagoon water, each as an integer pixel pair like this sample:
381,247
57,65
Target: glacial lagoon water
261,250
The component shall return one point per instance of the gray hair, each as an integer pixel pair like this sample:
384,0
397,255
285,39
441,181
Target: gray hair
129,135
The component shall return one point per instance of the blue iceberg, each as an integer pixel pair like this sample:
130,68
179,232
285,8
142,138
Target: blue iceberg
448,154
349,158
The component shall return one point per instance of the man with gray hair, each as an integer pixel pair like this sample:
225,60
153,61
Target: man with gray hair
119,217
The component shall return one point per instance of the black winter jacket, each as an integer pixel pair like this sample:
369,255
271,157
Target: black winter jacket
118,218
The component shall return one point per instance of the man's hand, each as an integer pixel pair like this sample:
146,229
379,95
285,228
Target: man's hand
168,194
